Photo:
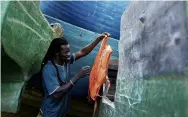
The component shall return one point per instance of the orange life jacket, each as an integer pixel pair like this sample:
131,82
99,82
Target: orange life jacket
99,69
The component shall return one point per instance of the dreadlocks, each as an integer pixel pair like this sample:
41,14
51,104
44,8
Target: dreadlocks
54,48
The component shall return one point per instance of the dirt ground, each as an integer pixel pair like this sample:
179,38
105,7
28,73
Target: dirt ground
25,111
30,105
78,109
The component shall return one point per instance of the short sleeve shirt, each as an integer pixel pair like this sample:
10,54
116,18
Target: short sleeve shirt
50,106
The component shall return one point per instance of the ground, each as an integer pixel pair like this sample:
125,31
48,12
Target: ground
31,101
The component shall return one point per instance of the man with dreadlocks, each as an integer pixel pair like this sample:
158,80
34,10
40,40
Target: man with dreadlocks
55,75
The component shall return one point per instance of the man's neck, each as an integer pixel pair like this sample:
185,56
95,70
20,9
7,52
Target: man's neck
59,62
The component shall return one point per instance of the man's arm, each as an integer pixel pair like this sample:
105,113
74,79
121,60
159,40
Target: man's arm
86,50
64,89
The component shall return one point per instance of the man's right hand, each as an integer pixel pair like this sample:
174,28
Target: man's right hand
84,71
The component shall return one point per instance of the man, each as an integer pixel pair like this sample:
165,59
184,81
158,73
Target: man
55,74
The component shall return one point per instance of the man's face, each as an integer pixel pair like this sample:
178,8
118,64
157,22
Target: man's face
64,54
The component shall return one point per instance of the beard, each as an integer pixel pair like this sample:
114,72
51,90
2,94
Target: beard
68,59
64,58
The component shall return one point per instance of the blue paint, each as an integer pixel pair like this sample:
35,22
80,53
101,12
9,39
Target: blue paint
96,16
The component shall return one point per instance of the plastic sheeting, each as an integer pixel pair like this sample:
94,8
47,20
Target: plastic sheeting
99,70
153,62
